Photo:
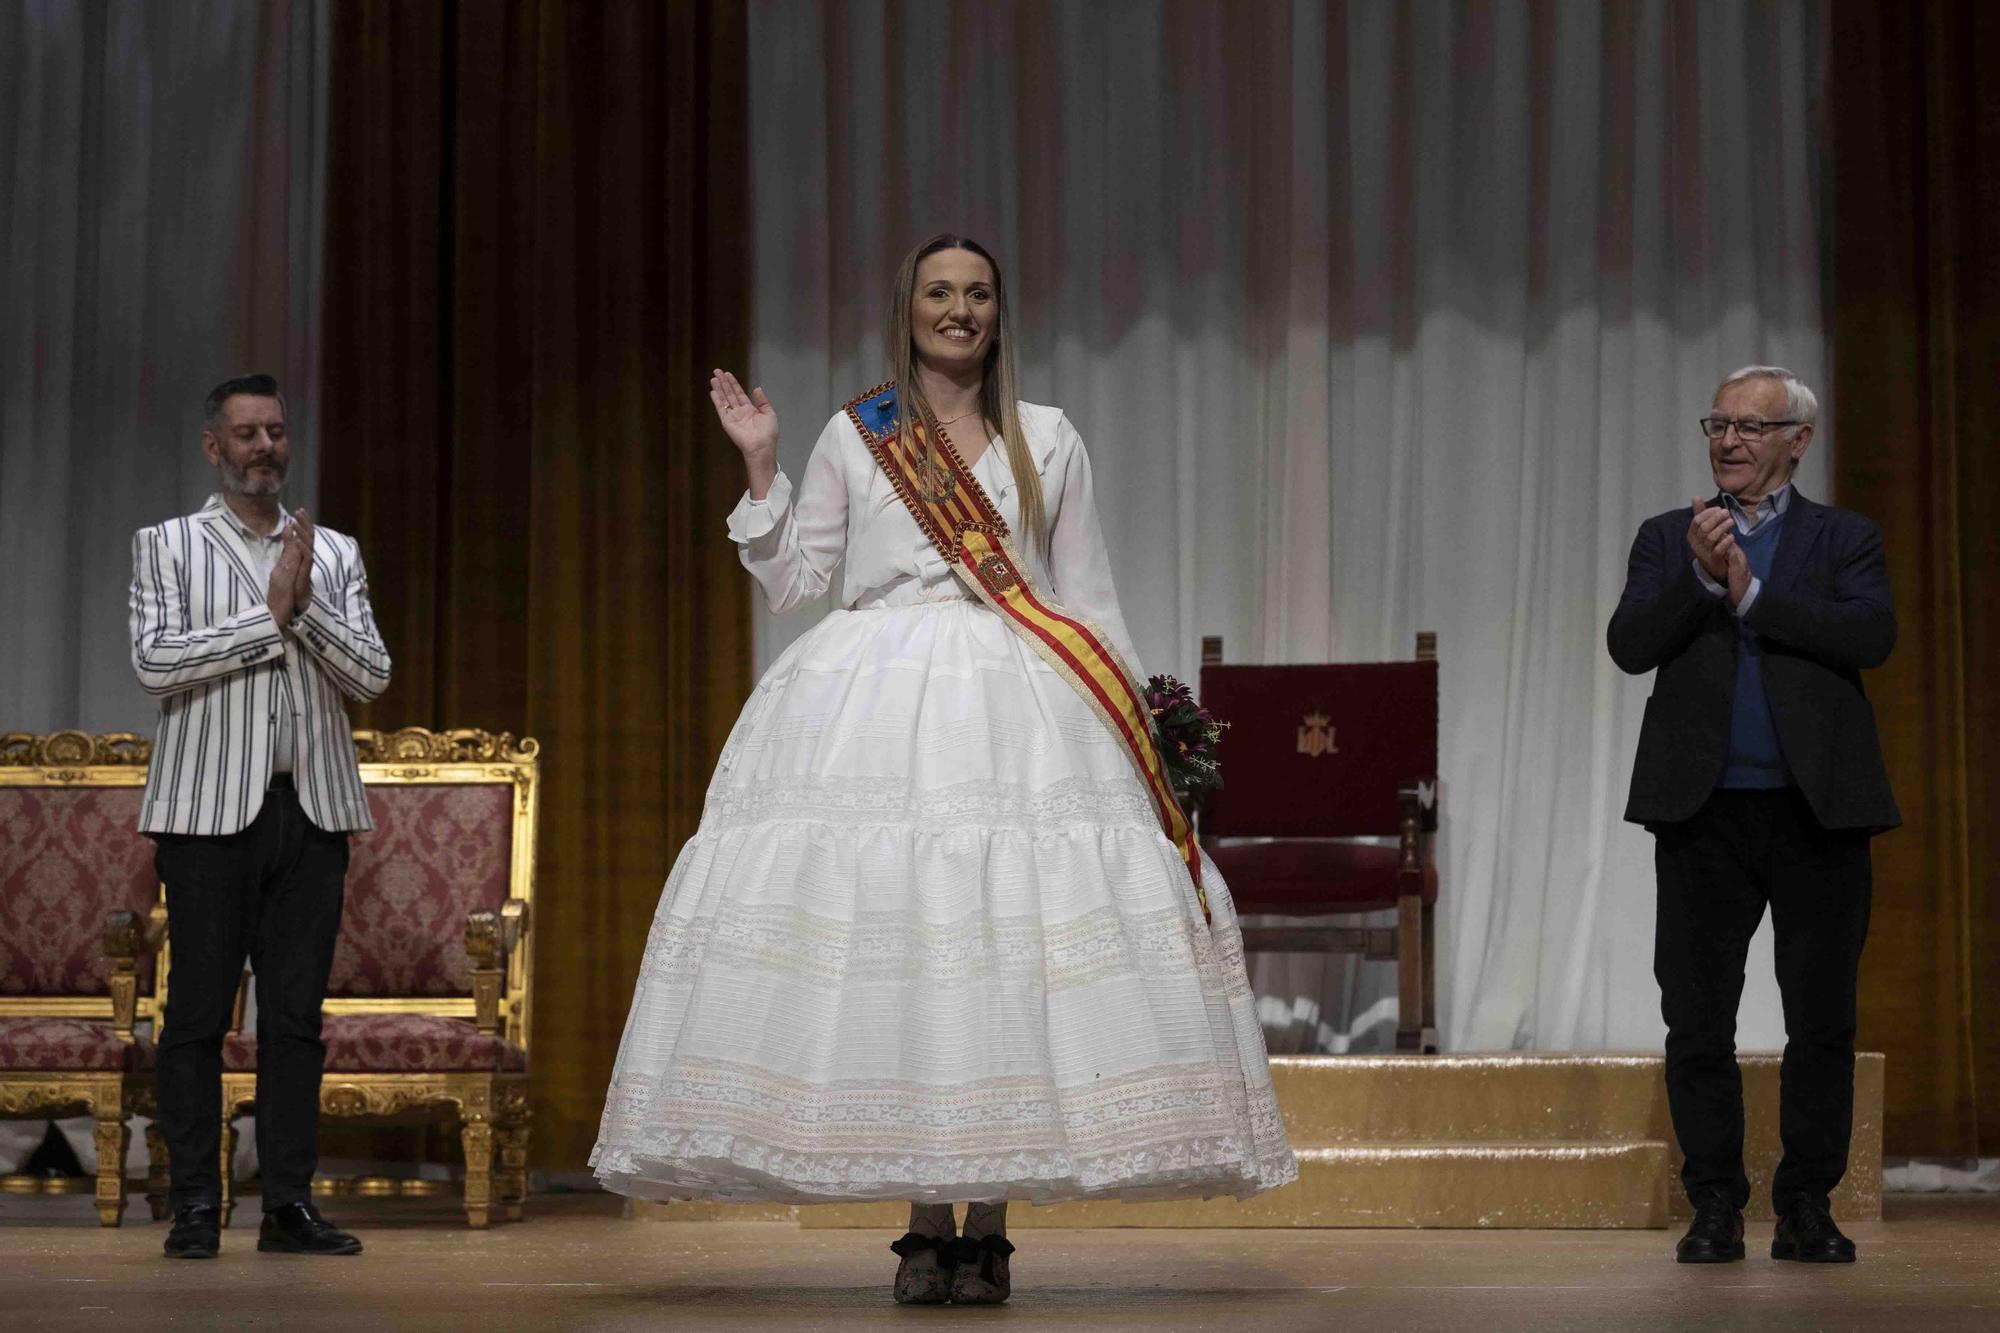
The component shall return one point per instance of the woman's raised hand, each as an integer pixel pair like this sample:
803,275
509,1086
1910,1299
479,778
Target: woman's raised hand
748,418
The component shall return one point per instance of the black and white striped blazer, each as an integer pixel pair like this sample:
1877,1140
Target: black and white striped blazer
204,643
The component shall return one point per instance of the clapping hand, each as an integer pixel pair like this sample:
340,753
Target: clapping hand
1739,575
1712,536
752,426
290,590
302,587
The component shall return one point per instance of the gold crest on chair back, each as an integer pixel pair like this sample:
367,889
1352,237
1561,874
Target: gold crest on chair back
428,1005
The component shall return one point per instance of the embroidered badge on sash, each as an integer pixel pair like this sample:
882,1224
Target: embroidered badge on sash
997,573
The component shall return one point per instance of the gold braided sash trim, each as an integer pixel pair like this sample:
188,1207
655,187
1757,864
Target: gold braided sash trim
965,526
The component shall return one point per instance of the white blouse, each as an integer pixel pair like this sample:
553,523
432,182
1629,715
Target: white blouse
846,510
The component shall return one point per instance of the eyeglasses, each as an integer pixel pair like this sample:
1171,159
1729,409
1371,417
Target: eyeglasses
1748,429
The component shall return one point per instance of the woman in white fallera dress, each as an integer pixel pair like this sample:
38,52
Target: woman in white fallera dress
930,942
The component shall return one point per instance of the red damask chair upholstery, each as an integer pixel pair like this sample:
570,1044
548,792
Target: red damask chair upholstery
428,1004
1318,759
80,918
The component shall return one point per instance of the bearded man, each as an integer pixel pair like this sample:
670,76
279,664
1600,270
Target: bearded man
250,626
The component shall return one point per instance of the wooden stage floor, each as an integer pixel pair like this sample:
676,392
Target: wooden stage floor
1932,1264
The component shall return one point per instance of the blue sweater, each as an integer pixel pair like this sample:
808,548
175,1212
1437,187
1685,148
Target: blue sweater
1755,761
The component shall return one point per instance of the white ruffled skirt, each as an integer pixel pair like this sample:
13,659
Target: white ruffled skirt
930,944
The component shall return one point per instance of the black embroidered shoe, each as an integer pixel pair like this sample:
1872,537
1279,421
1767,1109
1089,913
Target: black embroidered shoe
1806,1234
924,1276
197,1232
1716,1234
297,1228
981,1274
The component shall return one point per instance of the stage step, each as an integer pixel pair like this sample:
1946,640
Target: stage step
1544,1141
1471,1098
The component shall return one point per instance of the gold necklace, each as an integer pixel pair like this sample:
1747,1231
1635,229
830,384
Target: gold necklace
946,421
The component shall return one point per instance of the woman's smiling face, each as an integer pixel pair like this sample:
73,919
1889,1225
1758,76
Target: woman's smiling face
953,309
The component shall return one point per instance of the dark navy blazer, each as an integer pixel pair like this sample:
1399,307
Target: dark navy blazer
1824,615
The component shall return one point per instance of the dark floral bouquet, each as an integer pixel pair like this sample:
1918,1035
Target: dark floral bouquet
1189,737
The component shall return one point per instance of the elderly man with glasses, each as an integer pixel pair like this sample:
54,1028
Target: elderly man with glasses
1760,775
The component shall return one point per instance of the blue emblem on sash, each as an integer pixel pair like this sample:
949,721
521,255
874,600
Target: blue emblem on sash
879,413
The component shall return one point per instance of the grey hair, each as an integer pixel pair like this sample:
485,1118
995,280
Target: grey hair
1800,403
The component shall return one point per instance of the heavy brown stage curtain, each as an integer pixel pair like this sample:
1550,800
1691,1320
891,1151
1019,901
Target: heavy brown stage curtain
533,254
1913,139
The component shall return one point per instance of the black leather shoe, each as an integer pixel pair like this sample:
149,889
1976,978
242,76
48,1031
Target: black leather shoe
924,1276
1806,1234
297,1228
980,1277
1716,1234
197,1232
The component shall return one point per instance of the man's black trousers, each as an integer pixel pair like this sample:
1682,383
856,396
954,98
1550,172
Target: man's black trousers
271,893
1717,872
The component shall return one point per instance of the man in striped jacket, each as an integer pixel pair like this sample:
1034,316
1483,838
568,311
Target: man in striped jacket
250,625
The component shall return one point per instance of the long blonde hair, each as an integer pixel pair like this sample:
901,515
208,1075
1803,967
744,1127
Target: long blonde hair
997,396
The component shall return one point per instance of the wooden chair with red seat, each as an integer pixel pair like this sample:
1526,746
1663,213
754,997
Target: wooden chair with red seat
1318,758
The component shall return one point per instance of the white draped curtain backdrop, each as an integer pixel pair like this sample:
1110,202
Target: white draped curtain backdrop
160,217
1376,317
161,170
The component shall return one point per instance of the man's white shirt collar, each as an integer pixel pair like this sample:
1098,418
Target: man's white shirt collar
1774,503
218,505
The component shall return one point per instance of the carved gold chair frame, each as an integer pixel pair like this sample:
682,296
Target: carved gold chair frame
489,1108
79,759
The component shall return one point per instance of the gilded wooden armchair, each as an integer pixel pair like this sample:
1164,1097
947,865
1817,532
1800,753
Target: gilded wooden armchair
428,1005
80,921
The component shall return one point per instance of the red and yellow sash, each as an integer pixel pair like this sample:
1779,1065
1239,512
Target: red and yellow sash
955,512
